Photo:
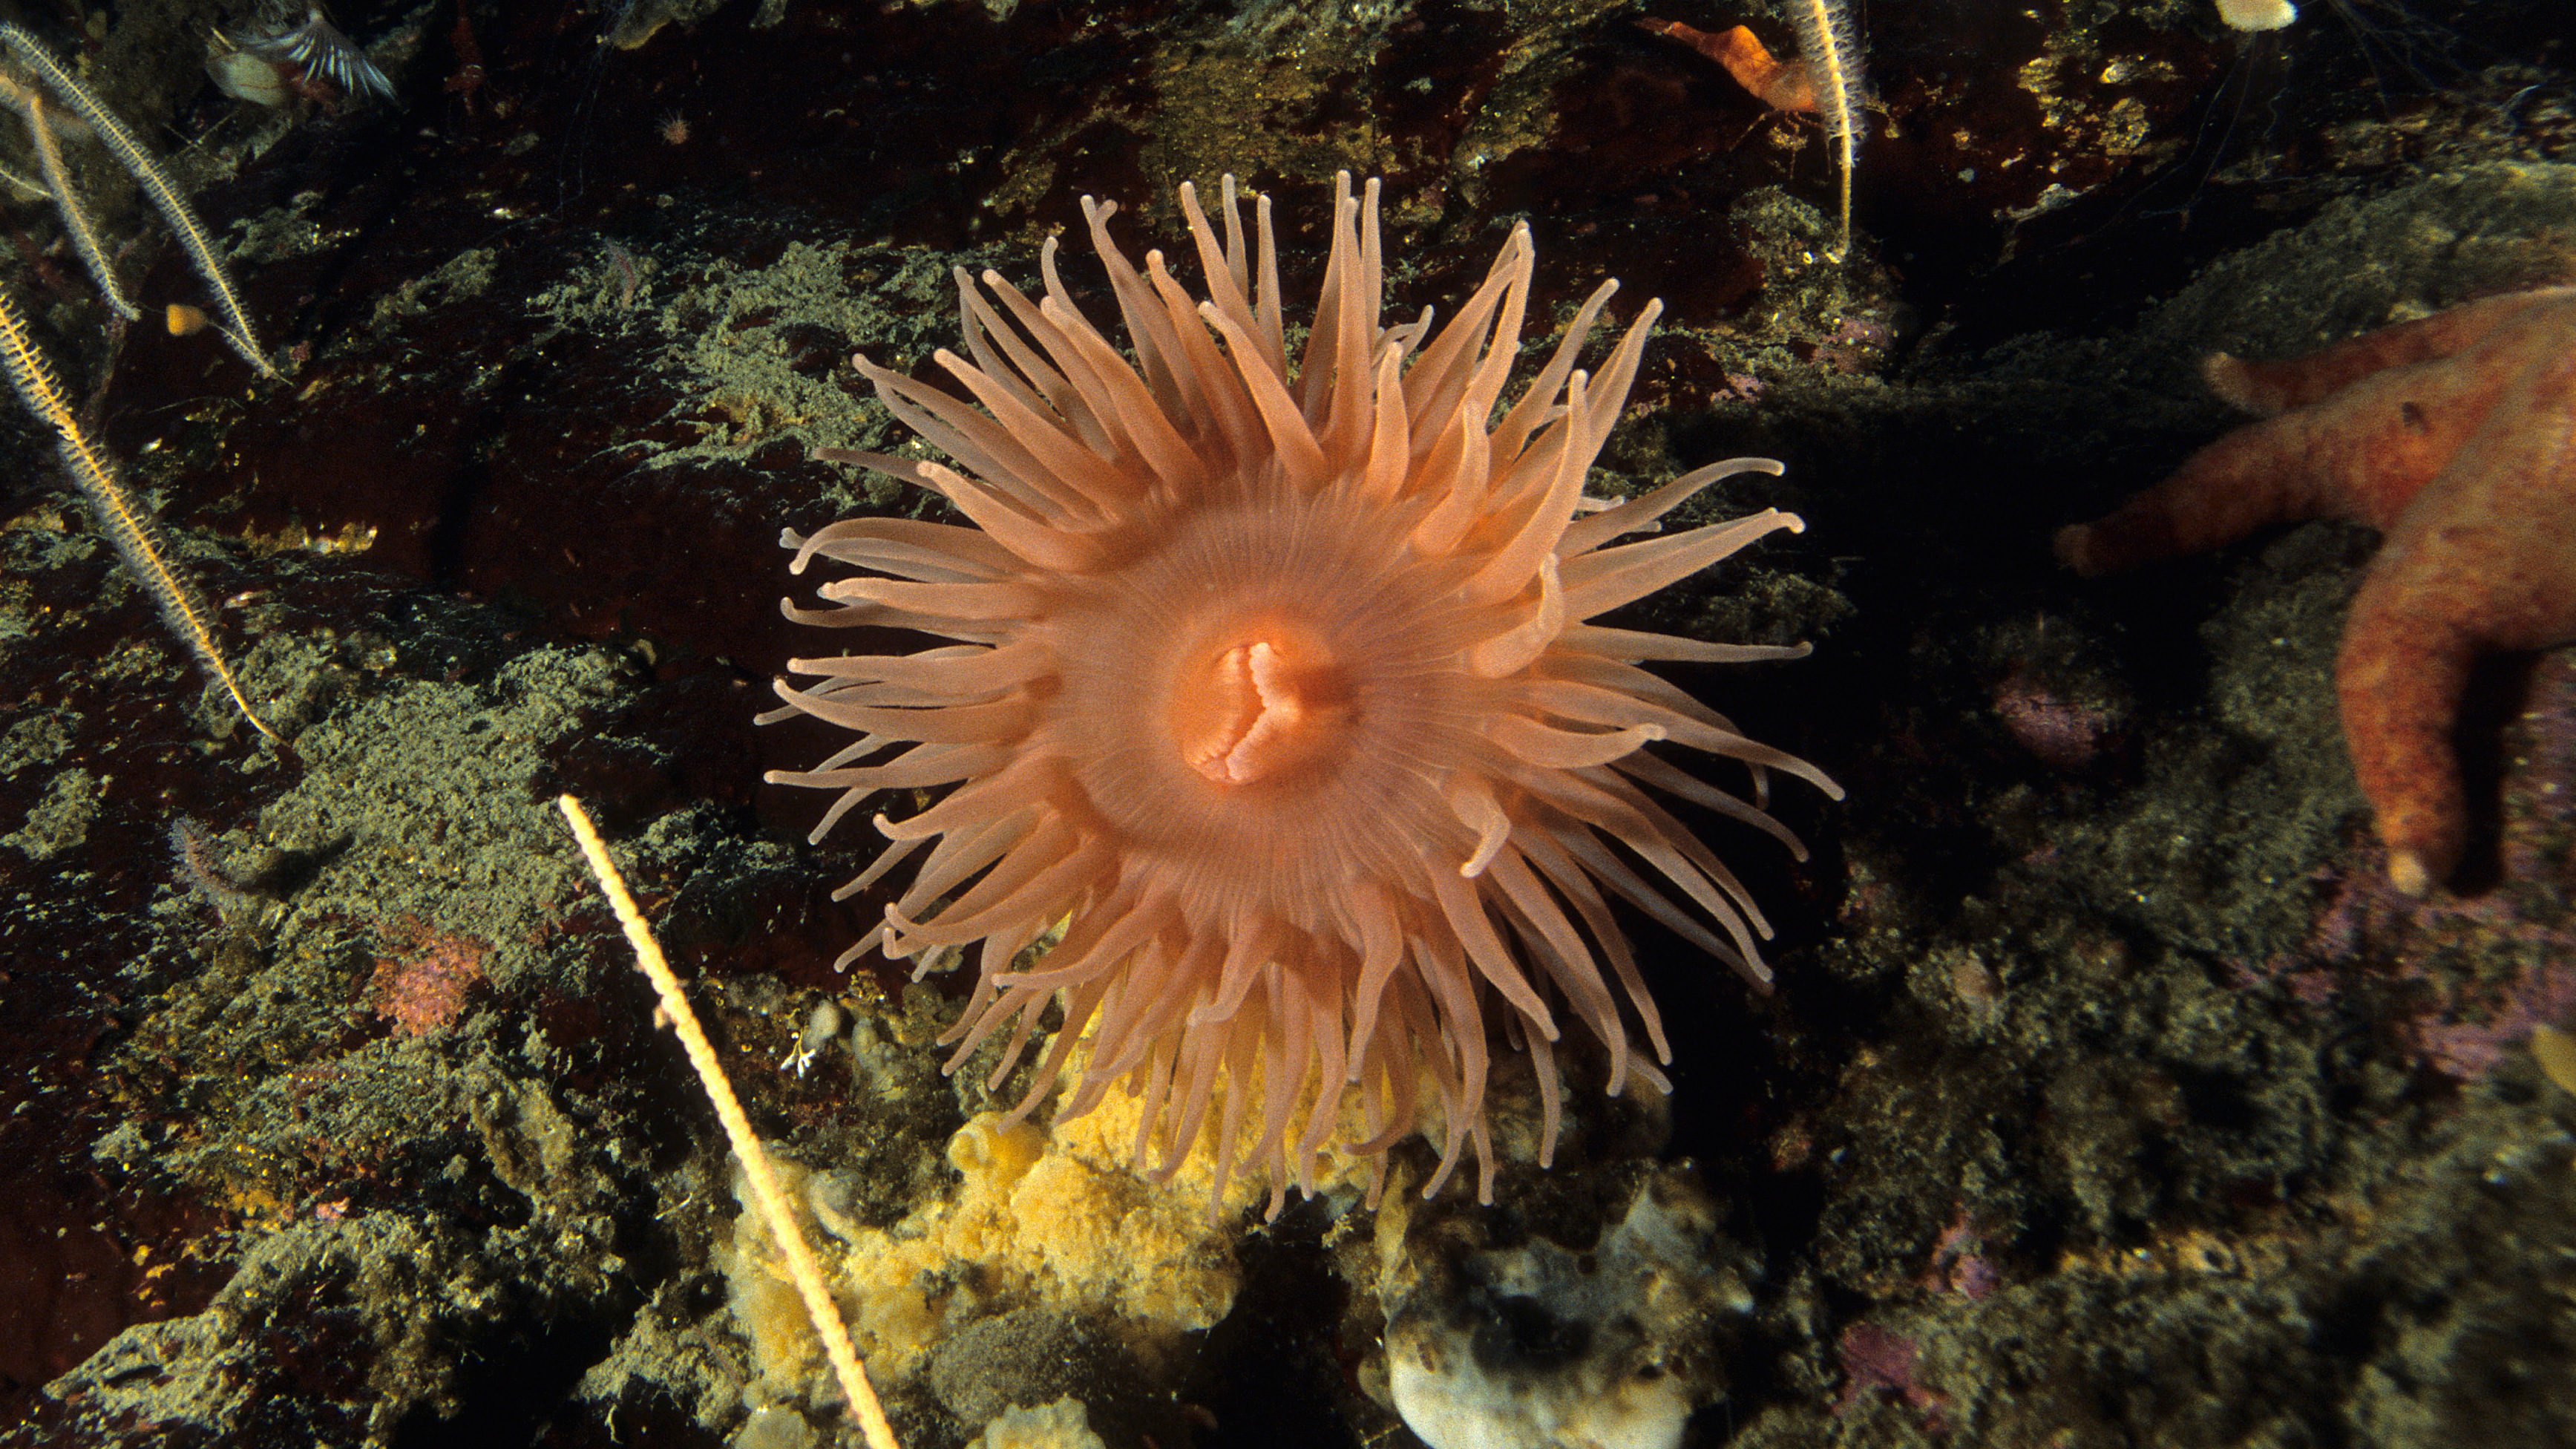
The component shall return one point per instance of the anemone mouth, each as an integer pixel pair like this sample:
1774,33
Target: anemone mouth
1270,699
1270,685
1265,705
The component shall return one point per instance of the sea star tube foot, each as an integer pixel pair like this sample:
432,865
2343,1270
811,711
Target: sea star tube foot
2456,436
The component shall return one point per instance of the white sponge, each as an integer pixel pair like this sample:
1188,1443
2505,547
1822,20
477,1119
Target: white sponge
1538,1347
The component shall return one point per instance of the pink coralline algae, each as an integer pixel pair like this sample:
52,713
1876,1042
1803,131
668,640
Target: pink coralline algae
2311,969
1879,1359
422,988
2538,828
2057,731
2467,1034
1858,345
2460,1028
1959,1264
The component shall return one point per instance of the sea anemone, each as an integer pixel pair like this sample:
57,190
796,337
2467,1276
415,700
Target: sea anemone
1271,688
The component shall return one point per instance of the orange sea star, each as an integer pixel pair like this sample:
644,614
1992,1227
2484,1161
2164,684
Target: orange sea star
2455,436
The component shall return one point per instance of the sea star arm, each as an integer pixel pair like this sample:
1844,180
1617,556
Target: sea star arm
2484,561
2268,388
2360,454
